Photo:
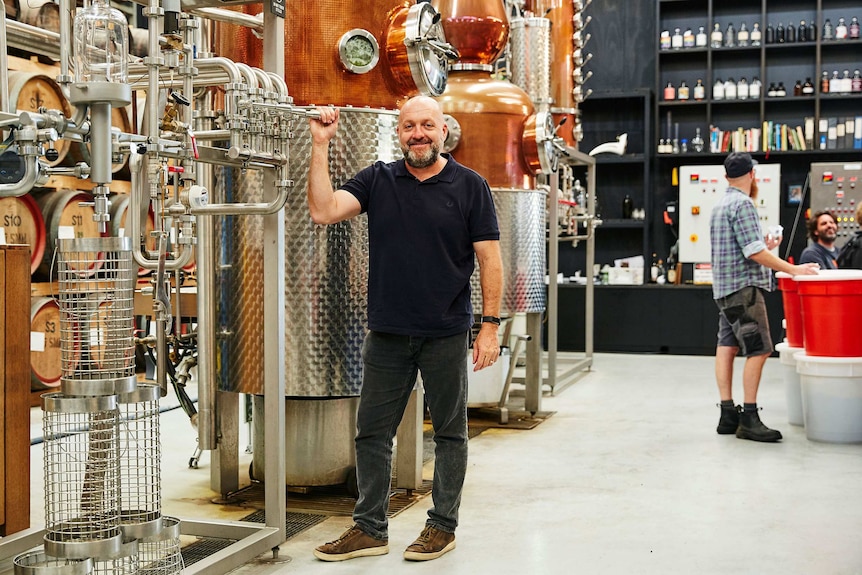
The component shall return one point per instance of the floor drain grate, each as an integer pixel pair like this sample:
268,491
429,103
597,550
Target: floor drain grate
203,548
295,523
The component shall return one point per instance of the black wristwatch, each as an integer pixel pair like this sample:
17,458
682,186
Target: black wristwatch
490,319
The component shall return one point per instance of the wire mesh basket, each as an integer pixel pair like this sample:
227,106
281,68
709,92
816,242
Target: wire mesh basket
96,282
140,462
161,554
82,487
37,563
124,562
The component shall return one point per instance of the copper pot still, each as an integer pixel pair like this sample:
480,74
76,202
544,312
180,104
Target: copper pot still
348,54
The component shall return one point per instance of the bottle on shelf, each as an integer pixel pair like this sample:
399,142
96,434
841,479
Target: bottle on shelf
802,32
628,207
718,90
688,38
742,89
841,29
754,88
797,88
664,40
674,147
730,36
853,31
699,90
683,92
669,92
790,34
812,31
676,40
742,37
824,82
653,269
700,39
808,87
846,83
835,83
828,31
772,91
856,82
770,34
730,89
781,91
683,146
779,34
716,38
697,141
756,35
661,273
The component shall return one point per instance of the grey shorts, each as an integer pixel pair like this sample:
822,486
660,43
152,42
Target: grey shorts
742,322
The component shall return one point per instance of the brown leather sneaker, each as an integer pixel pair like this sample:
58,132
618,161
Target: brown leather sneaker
353,543
431,544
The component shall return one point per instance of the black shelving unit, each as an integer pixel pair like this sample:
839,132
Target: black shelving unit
605,116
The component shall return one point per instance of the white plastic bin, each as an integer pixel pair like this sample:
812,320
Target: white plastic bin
792,386
831,397
485,386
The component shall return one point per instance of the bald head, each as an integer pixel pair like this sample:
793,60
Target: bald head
421,131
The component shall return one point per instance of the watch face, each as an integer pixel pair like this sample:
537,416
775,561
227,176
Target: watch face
359,51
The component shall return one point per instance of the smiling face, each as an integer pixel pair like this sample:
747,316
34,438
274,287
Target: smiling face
421,131
827,229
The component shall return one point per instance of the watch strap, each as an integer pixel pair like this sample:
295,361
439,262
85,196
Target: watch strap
491,319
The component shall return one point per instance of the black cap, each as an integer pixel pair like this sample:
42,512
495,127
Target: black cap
738,164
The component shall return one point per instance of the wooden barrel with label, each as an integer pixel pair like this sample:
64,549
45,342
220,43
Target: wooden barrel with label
22,223
28,92
45,362
65,218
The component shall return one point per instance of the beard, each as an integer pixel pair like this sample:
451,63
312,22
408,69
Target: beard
754,189
415,160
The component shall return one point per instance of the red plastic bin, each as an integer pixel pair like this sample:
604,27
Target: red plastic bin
832,312
792,309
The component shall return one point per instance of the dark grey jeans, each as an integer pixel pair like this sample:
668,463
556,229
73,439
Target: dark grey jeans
391,363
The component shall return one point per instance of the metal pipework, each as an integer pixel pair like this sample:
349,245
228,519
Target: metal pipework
229,17
34,173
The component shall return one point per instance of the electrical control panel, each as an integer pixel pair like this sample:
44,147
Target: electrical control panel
700,189
837,187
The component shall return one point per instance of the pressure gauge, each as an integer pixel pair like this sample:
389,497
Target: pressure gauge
359,51
427,51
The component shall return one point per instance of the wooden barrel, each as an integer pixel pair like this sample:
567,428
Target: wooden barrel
12,9
45,362
43,14
28,92
65,218
22,223
119,227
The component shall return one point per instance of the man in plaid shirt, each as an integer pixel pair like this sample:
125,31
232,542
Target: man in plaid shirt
741,263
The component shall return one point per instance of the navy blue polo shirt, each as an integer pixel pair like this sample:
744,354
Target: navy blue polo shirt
420,237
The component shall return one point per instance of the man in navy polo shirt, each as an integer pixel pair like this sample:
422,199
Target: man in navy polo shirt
428,217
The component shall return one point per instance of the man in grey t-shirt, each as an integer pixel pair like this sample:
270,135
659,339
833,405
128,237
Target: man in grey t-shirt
822,229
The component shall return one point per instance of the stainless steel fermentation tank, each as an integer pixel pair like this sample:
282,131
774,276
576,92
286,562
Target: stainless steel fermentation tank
326,271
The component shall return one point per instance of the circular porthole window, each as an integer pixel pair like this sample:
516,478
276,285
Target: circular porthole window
358,51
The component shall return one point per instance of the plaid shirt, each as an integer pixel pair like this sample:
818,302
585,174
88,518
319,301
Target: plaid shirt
736,235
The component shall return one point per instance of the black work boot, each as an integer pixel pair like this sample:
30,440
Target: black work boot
750,427
729,420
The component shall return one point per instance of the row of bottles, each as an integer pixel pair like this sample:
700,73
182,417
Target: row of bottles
683,146
731,89
781,34
736,90
697,92
841,85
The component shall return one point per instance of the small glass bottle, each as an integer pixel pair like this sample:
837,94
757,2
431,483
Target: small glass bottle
835,83
846,83
824,82
770,34
688,39
669,92
664,40
628,207
779,34
754,88
742,89
699,90
854,32
716,38
808,87
700,40
730,89
683,92
790,34
781,91
802,32
718,90
828,32
730,36
697,142
742,37
797,88
841,29
856,82
756,35
812,32
683,146
676,40
772,91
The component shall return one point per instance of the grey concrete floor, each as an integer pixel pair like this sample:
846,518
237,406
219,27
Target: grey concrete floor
628,476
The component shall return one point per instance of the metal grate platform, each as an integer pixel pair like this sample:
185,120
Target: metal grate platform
295,523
